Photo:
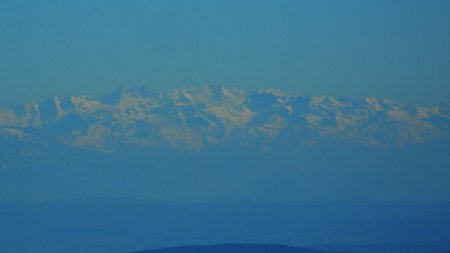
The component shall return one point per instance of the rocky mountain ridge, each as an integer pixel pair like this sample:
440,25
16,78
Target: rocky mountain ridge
192,119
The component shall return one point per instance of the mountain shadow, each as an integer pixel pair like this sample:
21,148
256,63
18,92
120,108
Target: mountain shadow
234,248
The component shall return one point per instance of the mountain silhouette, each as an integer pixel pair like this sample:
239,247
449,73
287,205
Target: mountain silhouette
234,248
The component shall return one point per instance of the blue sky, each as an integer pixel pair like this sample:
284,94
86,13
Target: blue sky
394,49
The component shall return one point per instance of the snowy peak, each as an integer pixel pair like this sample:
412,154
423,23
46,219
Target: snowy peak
205,116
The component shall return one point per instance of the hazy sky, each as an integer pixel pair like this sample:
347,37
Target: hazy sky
394,49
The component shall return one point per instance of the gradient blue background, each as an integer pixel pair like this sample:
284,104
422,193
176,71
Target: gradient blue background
394,49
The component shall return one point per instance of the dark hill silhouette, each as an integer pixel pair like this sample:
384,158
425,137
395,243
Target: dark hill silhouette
234,248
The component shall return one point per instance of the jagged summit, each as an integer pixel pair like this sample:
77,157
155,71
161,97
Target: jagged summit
199,117
124,92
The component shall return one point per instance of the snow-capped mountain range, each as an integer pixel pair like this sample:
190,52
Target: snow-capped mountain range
194,119
217,143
